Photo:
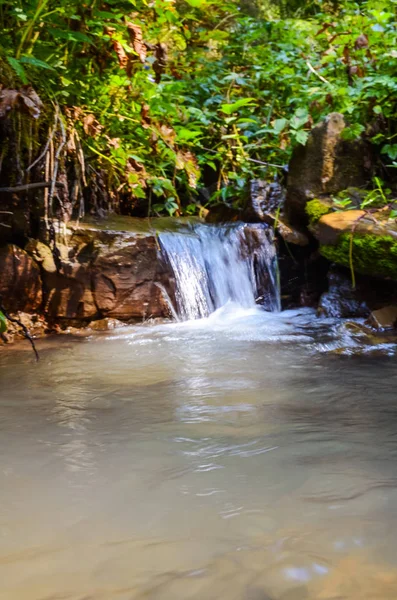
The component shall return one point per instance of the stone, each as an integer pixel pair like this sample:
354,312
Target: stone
106,324
68,290
264,200
101,272
326,165
20,280
384,318
291,235
125,281
341,300
330,226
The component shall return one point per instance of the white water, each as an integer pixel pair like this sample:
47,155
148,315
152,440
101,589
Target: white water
214,265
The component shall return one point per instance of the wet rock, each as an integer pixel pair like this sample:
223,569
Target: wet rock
264,201
20,281
222,213
106,324
341,300
291,235
36,325
326,165
384,318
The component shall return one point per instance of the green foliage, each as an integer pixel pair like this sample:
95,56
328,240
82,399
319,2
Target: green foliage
3,323
160,93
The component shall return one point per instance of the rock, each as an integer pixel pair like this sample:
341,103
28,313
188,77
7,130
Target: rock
35,324
102,272
291,235
125,280
221,213
106,324
326,165
264,201
20,281
68,290
359,241
331,225
384,318
341,300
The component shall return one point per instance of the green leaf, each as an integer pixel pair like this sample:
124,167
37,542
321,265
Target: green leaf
18,68
352,132
301,137
3,323
35,62
390,150
70,36
229,109
279,125
197,3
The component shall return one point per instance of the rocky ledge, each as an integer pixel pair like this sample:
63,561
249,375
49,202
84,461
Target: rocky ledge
89,271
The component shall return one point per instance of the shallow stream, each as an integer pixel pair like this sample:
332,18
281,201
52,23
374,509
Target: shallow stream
236,457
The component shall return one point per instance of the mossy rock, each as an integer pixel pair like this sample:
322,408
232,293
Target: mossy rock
315,209
371,254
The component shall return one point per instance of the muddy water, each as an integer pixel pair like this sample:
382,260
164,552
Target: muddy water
230,458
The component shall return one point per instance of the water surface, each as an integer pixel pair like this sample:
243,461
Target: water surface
236,457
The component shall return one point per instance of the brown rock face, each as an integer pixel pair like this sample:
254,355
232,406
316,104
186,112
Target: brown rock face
102,273
326,165
125,280
332,225
384,318
20,281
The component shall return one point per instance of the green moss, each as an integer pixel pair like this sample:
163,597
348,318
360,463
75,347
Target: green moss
315,209
372,255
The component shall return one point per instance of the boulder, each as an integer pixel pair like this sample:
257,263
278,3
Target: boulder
126,280
326,165
20,281
106,324
363,242
384,318
68,285
342,300
95,272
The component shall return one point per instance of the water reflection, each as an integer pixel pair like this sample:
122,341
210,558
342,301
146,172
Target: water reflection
226,458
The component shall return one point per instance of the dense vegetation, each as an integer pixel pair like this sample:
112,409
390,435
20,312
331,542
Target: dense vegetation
169,105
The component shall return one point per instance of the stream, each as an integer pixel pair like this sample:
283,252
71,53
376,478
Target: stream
232,453
231,457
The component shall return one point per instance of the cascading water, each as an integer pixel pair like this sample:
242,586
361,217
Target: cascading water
213,265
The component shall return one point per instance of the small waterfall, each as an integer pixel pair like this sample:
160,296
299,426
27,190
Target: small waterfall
216,264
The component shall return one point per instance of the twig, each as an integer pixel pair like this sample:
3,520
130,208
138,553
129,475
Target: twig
313,70
42,155
254,160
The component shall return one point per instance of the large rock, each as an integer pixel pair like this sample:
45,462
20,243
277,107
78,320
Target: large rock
67,285
365,243
326,165
342,300
128,280
97,272
20,281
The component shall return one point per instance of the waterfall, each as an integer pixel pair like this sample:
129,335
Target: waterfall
213,265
